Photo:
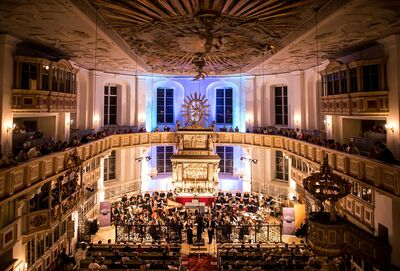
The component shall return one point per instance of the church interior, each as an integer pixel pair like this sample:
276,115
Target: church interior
199,135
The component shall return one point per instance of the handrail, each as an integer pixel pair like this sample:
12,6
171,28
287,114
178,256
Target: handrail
384,177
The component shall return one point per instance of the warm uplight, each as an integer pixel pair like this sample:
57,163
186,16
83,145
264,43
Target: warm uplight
11,128
389,128
96,119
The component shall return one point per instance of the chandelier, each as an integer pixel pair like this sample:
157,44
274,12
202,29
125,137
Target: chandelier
327,186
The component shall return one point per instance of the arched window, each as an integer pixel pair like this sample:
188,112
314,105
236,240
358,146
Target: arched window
109,167
226,162
282,167
281,105
110,105
164,164
224,105
165,105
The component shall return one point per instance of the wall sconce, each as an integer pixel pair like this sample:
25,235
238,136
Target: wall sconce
96,119
389,128
11,128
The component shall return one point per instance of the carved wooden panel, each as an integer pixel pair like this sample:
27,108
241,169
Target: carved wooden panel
248,139
2,184
370,173
278,142
303,150
358,209
32,172
258,140
341,163
167,137
310,152
355,168
144,139
125,141
237,139
390,180
59,162
135,139
155,138
38,220
267,141
46,167
349,204
368,216
115,142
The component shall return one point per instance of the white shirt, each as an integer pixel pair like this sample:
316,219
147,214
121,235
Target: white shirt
94,266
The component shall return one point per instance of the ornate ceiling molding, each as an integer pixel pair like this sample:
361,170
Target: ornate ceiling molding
229,34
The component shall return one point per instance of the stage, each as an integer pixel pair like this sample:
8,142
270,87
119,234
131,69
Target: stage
208,199
226,183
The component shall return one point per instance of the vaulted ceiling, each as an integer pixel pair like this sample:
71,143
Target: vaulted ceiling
194,37
204,36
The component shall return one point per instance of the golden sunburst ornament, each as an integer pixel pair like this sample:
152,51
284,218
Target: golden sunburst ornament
195,111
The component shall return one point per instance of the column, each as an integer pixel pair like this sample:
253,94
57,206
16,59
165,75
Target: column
144,104
251,105
63,122
392,51
297,102
7,49
95,112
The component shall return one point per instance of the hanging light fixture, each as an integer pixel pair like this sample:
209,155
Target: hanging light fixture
96,118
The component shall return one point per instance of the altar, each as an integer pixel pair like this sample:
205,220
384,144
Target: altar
195,165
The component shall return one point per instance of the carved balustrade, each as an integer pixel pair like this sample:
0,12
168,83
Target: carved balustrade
14,181
43,101
357,103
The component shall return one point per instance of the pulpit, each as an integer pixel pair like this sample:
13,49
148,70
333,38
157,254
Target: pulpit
195,166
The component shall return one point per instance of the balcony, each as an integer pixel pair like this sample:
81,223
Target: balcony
43,101
357,103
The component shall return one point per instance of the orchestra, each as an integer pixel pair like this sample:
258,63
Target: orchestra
150,213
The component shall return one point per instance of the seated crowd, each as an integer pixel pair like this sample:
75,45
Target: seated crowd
162,252
28,150
276,257
31,149
131,256
378,151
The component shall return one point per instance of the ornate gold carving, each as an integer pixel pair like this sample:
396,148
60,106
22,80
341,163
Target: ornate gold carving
195,141
195,171
195,111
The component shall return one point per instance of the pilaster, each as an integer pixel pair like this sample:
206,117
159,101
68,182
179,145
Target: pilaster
7,49
392,51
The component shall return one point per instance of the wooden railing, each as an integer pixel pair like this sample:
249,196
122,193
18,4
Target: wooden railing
43,101
357,103
18,180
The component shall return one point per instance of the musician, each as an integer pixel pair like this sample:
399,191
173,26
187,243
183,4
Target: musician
200,226
210,231
147,196
189,233
238,195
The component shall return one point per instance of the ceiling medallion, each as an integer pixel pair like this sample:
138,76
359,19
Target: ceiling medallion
195,111
327,186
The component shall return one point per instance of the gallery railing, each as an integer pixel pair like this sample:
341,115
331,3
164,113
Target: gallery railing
261,233
140,233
